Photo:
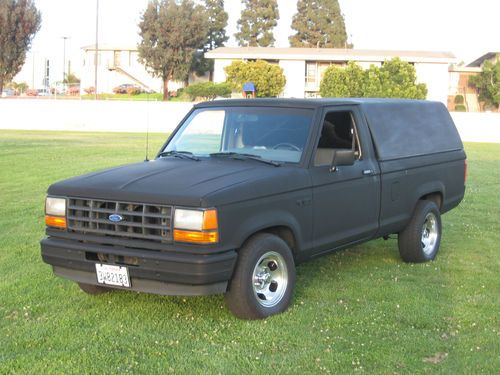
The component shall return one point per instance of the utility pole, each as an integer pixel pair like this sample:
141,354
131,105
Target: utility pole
64,38
96,61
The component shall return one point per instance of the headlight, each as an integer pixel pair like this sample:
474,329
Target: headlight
55,212
196,226
55,206
188,219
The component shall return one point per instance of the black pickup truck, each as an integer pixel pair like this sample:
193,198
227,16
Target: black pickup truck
243,190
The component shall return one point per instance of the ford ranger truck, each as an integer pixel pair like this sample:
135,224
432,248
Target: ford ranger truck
244,190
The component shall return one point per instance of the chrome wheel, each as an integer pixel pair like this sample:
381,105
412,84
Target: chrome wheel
270,279
430,233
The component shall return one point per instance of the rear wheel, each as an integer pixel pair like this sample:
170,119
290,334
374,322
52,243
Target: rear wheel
419,241
263,282
93,289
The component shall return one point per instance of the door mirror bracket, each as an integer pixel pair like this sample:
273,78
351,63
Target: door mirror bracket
342,157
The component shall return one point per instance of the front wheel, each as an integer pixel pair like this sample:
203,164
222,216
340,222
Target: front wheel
419,241
263,282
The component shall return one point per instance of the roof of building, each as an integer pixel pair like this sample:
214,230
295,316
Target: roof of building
480,60
328,54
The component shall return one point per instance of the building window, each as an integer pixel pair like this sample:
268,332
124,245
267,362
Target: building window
311,73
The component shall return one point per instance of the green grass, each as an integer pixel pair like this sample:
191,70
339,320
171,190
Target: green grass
357,311
142,97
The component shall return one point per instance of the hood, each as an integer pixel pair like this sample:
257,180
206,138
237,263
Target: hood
205,183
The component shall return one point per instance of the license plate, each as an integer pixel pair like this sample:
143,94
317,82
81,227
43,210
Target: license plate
112,275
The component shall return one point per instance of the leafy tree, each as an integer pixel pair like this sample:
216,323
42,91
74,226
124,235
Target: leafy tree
268,78
488,84
19,88
208,90
348,82
171,33
319,23
394,79
257,21
398,80
19,22
216,37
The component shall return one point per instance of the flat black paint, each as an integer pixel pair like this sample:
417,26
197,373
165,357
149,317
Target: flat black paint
411,147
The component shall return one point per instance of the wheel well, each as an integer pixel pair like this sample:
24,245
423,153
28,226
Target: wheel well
436,197
283,232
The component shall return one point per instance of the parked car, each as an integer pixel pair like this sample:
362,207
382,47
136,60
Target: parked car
244,190
43,92
126,87
8,92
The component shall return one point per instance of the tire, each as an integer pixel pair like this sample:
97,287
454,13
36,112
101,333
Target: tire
93,289
264,278
419,241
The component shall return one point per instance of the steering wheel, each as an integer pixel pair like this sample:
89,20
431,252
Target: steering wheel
286,146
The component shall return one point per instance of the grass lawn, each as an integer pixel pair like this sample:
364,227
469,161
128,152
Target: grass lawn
357,311
157,97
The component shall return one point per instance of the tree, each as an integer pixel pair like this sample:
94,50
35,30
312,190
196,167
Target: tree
217,23
171,33
19,22
216,37
394,79
398,80
255,27
268,78
487,84
319,23
348,82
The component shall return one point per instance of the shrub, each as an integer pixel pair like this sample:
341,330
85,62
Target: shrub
208,90
459,99
460,108
394,79
268,78
89,90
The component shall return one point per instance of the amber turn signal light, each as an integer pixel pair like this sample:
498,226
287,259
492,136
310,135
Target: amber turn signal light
210,220
196,236
55,221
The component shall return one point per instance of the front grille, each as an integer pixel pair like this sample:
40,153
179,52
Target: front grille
140,221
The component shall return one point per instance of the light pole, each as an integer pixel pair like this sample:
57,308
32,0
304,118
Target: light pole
64,38
96,61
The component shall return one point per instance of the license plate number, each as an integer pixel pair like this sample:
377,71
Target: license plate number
112,275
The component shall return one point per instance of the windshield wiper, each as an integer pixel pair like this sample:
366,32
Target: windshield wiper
243,156
179,154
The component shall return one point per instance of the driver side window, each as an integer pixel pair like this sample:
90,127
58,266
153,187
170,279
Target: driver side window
338,132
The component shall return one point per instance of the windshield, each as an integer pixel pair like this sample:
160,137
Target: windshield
271,133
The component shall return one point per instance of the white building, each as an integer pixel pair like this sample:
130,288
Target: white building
304,67
116,65
120,65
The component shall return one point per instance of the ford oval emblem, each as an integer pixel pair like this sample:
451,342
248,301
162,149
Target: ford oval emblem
115,218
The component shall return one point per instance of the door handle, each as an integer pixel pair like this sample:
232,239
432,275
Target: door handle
368,172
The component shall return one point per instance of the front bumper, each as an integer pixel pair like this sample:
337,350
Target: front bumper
157,272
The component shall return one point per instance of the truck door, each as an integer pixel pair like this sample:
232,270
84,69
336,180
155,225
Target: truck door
345,200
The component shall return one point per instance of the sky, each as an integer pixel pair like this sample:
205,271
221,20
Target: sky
465,27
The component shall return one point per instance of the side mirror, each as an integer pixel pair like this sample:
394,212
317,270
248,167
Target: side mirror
342,157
